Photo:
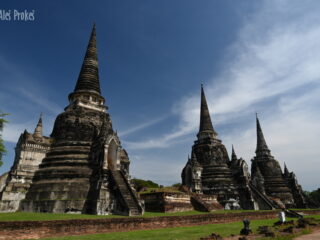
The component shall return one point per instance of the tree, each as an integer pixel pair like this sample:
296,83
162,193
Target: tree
176,185
139,184
2,147
315,196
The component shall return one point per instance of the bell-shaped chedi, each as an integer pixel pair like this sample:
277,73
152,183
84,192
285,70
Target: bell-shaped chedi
211,154
269,171
86,169
29,152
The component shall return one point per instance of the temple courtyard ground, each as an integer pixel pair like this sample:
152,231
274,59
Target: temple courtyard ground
174,232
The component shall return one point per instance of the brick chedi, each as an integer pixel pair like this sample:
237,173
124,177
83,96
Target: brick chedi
300,199
85,170
29,152
268,177
209,169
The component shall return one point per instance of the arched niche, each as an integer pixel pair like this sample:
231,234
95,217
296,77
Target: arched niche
188,178
112,155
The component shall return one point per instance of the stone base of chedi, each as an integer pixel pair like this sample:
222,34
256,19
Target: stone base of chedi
179,202
210,171
82,167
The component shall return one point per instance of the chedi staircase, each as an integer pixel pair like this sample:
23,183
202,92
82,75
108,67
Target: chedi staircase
130,199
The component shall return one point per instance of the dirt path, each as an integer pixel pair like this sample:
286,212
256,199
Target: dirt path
313,236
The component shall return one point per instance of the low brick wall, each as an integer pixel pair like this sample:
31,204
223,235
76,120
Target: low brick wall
166,202
40,229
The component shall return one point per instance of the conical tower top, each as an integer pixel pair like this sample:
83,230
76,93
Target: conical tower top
233,155
38,130
286,171
205,119
87,90
88,79
262,147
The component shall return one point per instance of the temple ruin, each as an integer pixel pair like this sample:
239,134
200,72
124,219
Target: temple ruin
81,167
210,171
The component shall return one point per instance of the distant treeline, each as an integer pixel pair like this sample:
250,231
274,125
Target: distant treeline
314,196
140,184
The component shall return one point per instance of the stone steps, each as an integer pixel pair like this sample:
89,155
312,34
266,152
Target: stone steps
126,193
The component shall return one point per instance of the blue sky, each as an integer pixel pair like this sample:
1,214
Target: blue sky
251,56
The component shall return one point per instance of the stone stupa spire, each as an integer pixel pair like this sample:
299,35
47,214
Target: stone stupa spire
88,79
87,91
286,171
262,147
233,155
205,119
38,130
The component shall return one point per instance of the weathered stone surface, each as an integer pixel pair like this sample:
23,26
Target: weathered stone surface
167,202
210,171
268,177
30,150
82,167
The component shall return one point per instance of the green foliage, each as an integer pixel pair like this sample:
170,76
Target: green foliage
314,196
176,185
139,184
2,147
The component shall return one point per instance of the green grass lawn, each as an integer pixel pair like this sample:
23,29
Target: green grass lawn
29,216
26,216
184,233
178,233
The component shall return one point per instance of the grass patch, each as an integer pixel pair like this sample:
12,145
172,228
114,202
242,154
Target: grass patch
29,216
178,233
163,189
187,233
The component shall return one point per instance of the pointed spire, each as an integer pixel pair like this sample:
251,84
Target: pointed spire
38,130
262,147
88,79
205,119
286,171
233,155
193,156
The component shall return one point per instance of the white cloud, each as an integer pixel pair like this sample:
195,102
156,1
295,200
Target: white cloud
272,68
23,97
141,126
37,98
11,131
283,57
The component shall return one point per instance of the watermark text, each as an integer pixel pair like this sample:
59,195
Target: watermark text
16,15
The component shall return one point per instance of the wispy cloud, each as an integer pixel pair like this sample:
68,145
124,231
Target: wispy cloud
12,131
276,54
141,126
35,97
23,97
272,68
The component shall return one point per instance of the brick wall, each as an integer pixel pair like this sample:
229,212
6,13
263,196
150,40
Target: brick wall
40,229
